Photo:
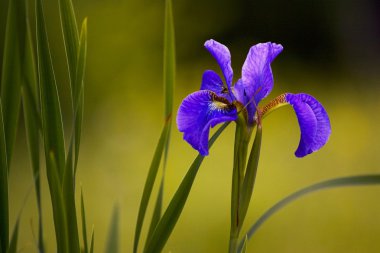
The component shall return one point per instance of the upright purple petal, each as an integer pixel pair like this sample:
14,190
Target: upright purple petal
313,120
256,72
199,112
212,82
244,99
222,55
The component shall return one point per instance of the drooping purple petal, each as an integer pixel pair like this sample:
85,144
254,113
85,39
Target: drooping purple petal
313,120
256,72
199,112
212,82
222,55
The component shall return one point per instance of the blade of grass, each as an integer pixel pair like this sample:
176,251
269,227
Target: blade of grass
167,223
157,210
362,180
79,93
59,210
70,36
244,247
169,79
69,179
50,106
4,208
14,238
78,98
32,119
68,192
151,178
112,245
52,130
11,72
169,59
13,243
84,226
92,241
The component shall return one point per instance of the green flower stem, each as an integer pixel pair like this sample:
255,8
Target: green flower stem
250,175
242,137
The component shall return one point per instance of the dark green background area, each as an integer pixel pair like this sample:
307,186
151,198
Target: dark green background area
331,50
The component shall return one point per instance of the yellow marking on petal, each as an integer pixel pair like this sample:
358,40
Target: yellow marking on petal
219,103
274,104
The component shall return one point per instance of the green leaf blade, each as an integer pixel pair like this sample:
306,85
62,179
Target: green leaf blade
68,191
149,183
50,105
169,59
11,72
70,36
14,239
92,241
33,125
362,180
112,245
79,90
168,80
169,219
84,225
58,204
4,204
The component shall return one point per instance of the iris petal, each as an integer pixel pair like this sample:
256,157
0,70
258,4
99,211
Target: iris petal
199,112
313,120
257,73
212,82
222,55
243,98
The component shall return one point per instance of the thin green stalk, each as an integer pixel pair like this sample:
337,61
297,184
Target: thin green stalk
250,175
242,137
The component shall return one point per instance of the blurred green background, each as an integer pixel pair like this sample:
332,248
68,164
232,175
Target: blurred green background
331,50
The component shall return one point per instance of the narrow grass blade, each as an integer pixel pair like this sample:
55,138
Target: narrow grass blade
70,36
13,242
92,241
362,180
157,210
32,119
151,178
79,90
84,226
169,59
4,208
11,72
69,203
59,210
112,245
174,210
250,175
50,106
244,247
169,80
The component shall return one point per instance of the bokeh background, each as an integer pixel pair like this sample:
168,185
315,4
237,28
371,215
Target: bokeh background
331,50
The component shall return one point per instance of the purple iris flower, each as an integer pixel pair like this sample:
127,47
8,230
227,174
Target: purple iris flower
219,101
